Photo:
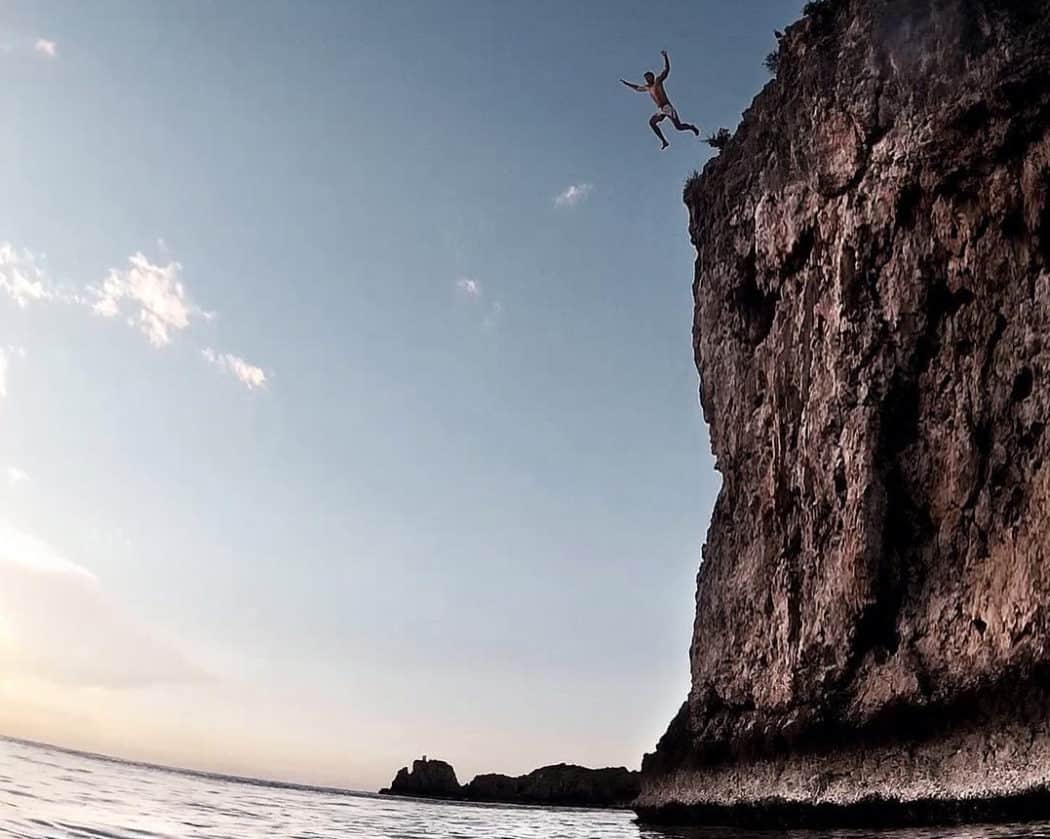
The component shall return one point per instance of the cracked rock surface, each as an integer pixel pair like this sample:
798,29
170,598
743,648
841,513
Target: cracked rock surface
872,330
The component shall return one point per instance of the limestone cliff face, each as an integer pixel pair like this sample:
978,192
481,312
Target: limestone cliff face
872,329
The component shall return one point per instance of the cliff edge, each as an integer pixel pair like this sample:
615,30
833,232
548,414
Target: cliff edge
872,330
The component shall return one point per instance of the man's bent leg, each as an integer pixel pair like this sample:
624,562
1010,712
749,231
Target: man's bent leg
656,129
685,126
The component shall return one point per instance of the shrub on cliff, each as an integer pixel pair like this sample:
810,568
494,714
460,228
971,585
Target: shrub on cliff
690,183
720,139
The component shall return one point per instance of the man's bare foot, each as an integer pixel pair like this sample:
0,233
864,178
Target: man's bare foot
666,145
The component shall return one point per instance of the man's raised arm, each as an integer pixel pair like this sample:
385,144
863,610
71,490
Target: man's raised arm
637,87
667,65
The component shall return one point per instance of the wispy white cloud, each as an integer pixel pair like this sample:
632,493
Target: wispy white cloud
471,288
61,625
151,297
155,294
46,48
22,277
21,548
249,375
16,476
493,311
25,280
573,195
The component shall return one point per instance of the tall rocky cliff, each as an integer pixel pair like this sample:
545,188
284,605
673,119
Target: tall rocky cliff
872,330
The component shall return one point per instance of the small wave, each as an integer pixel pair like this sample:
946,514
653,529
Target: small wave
86,830
19,792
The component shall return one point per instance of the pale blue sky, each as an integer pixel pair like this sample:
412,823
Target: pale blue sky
463,513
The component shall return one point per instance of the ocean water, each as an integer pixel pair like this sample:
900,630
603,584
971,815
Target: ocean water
46,792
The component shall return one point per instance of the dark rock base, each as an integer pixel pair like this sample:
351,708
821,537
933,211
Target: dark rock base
869,813
988,760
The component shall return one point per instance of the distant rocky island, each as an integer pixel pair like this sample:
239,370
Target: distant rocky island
561,785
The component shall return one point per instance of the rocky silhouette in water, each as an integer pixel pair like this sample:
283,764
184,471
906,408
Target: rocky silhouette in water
562,785
427,779
872,312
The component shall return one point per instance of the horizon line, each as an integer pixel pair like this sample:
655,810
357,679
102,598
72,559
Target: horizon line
185,770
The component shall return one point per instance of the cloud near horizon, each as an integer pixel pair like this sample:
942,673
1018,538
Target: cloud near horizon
16,476
573,195
249,375
57,623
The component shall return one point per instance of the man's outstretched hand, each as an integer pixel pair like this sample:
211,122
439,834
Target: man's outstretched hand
663,53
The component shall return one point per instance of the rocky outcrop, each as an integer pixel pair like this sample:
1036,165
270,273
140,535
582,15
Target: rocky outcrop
428,779
872,330
562,785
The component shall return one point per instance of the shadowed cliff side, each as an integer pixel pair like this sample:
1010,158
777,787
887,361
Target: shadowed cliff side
872,317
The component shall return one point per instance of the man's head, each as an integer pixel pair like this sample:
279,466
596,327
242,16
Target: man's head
649,77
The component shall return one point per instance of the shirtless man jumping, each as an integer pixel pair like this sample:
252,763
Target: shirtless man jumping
654,86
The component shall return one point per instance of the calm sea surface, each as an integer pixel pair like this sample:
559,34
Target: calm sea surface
50,793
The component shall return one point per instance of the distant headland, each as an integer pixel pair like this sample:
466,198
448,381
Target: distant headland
562,785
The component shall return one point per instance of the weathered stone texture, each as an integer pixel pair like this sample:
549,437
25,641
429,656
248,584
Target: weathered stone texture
872,329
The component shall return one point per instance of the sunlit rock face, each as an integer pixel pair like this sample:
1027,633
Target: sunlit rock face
872,330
